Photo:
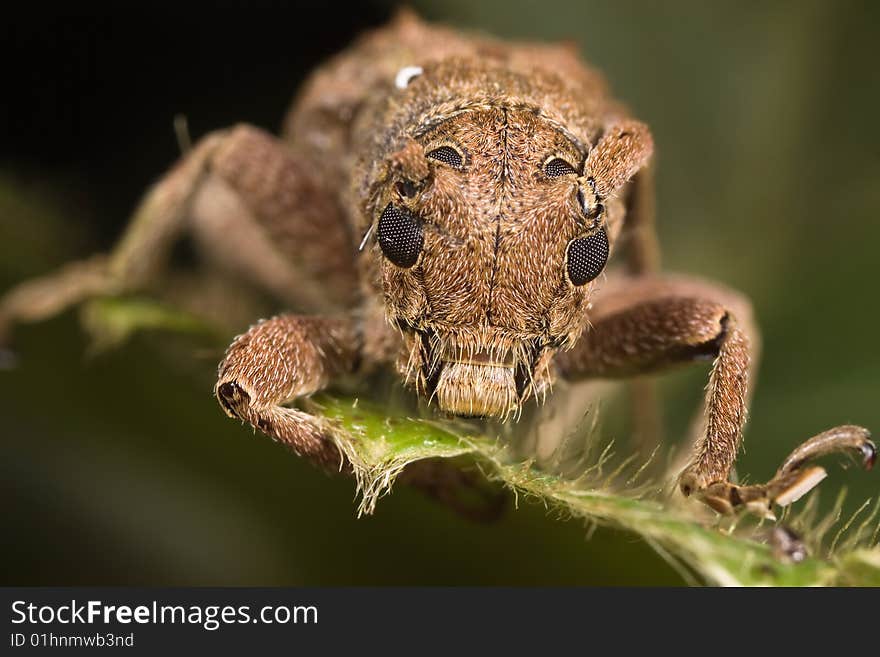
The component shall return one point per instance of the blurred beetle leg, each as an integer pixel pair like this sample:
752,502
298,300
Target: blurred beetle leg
647,414
277,208
624,152
296,219
40,298
136,260
639,230
459,485
643,258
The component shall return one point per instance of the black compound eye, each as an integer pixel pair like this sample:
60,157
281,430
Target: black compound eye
447,155
586,257
400,235
558,167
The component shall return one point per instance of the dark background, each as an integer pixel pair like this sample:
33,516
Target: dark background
121,469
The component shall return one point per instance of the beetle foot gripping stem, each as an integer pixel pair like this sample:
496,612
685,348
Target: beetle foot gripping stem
794,478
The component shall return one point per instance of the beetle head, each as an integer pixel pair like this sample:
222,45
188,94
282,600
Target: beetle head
490,230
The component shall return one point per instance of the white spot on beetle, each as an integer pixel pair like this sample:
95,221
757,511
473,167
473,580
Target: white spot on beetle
406,75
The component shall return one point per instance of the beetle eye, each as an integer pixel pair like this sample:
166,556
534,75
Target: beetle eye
447,155
400,236
586,257
558,167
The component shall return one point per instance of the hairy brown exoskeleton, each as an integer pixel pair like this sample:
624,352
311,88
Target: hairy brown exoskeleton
450,202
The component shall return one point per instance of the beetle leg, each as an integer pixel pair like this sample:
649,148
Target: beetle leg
252,206
650,324
642,254
279,360
643,258
297,215
292,356
795,477
155,225
639,230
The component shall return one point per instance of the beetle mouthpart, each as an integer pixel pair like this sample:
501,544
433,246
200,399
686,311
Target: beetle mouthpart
482,357
469,389
482,373
477,382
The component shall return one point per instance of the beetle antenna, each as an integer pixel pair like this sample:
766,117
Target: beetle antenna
181,131
366,237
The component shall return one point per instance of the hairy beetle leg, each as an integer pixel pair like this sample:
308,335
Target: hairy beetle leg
275,362
795,477
250,203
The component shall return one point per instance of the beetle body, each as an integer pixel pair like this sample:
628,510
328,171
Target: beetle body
466,160
446,203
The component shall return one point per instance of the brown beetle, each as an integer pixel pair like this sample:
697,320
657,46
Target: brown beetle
487,184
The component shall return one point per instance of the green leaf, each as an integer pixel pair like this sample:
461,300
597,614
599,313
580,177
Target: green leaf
111,321
383,445
380,446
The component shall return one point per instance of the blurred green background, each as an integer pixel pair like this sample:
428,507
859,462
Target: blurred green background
121,469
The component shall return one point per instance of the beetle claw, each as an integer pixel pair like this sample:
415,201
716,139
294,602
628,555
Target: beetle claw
869,454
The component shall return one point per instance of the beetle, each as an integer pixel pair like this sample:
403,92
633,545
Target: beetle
447,203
